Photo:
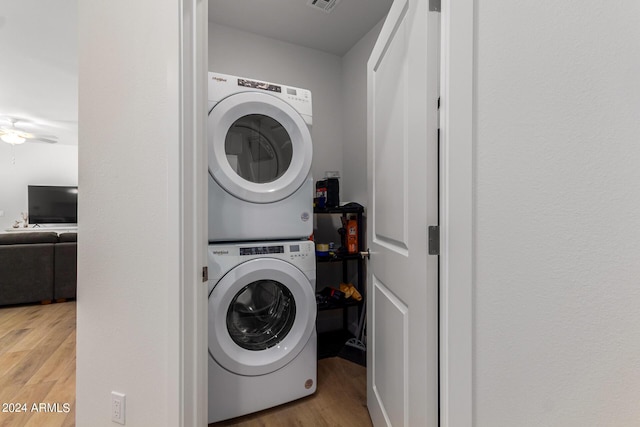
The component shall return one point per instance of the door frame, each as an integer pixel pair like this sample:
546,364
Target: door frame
456,213
188,209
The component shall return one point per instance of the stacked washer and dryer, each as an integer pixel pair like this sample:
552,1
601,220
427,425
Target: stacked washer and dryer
262,274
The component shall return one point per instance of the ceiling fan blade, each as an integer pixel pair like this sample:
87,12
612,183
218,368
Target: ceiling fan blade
25,135
13,120
16,131
42,139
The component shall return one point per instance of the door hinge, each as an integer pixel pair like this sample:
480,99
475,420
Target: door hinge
434,240
434,5
205,274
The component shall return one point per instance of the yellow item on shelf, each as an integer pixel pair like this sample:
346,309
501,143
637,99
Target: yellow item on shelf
350,291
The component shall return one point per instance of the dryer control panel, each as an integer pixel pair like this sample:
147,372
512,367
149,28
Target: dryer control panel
222,86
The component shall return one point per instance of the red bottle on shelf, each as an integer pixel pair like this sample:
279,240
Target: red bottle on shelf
352,236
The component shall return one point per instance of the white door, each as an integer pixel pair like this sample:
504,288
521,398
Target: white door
402,285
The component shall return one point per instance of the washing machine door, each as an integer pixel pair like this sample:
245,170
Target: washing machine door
260,147
261,315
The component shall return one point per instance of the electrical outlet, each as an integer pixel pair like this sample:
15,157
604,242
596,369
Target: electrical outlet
117,407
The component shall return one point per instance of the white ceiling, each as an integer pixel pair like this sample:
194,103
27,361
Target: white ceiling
295,22
39,67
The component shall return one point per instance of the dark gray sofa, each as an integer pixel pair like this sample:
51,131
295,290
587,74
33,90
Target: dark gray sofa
65,271
37,266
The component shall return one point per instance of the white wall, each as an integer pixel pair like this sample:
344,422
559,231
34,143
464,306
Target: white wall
354,104
35,164
557,196
245,54
128,256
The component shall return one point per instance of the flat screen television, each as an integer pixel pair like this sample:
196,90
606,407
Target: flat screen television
52,204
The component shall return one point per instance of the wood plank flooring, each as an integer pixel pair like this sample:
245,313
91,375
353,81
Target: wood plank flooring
38,365
340,400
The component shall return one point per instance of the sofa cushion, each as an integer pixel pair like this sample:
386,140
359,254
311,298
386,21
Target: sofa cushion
26,273
16,238
68,237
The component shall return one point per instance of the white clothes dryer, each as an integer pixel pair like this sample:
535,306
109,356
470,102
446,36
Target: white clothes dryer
262,326
260,151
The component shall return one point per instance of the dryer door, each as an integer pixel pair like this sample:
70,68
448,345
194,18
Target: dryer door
259,147
261,315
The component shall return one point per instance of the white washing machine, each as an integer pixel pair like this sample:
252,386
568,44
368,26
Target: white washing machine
260,150
262,326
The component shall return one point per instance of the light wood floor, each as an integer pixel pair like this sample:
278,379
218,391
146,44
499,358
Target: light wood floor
38,365
340,400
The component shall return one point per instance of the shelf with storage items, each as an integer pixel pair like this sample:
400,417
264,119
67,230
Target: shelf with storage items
341,256
337,257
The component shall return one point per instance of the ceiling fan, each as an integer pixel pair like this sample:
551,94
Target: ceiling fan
14,135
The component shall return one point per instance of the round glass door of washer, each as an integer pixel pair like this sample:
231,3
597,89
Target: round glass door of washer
261,315
260,147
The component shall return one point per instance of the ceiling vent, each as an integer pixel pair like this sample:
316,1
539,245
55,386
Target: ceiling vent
326,6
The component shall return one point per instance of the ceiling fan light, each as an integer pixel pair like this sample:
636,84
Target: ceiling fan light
12,138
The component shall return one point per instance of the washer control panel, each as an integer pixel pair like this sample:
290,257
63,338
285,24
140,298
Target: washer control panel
223,257
291,251
298,251
261,250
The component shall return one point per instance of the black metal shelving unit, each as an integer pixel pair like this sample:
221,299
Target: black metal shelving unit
345,259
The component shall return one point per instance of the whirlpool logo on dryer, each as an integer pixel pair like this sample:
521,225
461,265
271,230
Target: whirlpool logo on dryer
220,252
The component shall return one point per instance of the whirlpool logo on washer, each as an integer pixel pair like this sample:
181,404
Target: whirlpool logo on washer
220,252
219,79
304,216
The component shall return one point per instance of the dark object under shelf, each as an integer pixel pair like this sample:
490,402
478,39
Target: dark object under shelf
355,208
334,305
336,257
331,344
